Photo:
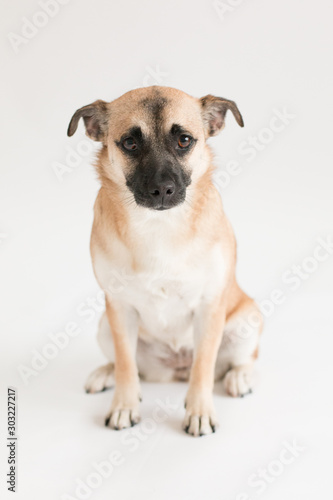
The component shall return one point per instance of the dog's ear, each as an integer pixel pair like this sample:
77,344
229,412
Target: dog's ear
214,110
95,117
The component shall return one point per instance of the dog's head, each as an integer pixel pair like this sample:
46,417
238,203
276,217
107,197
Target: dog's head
155,140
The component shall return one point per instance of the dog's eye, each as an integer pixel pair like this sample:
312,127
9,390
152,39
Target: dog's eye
130,144
184,141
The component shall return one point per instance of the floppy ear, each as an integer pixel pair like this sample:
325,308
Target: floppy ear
95,117
214,110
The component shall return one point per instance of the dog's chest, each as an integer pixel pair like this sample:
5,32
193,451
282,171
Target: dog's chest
165,295
166,288
166,305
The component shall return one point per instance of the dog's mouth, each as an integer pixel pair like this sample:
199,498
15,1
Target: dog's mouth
162,208
163,190
160,205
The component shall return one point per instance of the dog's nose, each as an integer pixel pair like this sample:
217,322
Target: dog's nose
163,190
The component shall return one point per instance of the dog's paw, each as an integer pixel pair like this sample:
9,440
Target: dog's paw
100,379
237,381
124,411
200,418
122,419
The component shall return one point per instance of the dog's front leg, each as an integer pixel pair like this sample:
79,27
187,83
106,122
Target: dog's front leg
125,404
200,415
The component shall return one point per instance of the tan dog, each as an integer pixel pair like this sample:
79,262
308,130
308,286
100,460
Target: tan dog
164,253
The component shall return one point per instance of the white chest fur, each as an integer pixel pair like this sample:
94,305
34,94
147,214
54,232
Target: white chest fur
169,286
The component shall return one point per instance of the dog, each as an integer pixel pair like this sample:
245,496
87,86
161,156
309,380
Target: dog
164,253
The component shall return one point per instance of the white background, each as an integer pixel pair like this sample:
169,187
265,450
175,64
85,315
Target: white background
264,55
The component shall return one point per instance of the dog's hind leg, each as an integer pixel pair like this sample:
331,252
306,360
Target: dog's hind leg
239,348
103,377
